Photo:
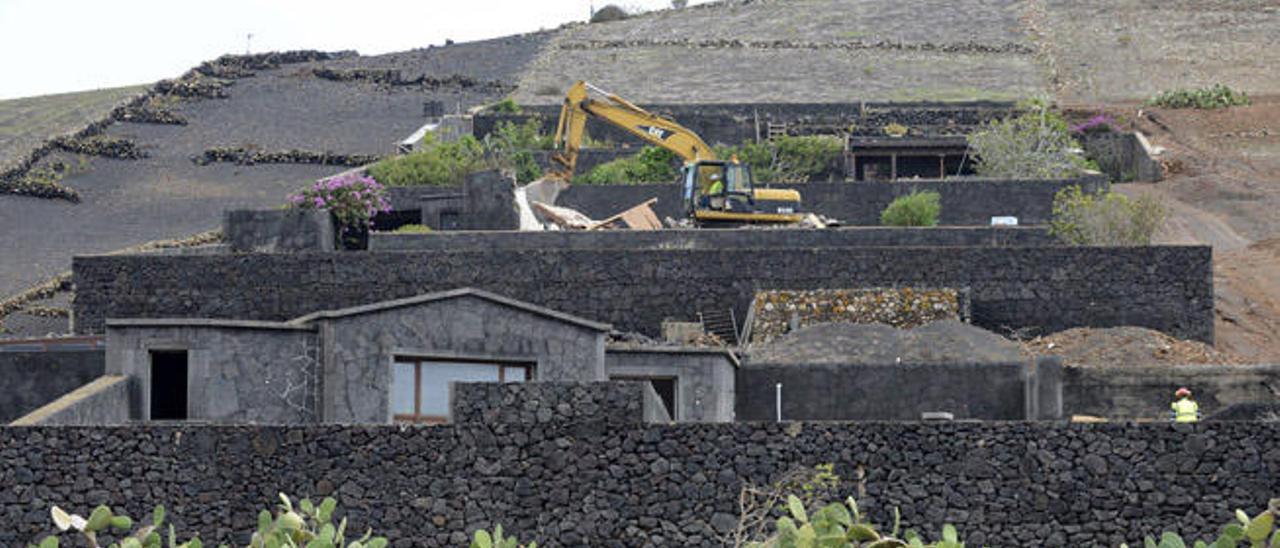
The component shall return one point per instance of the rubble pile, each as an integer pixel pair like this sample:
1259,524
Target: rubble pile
776,312
1126,346
940,342
247,156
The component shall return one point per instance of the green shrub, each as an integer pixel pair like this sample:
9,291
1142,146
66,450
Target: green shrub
307,525
1104,218
482,539
506,106
843,526
650,165
787,158
510,146
435,163
1258,532
412,229
1036,144
915,209
1216,96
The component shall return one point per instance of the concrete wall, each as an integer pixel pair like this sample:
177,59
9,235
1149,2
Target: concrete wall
278,230
1169,288
1146,392
358,350
965,202
1002,484
104,401
991,391
704,378
32,379
611,403
237,372
715,238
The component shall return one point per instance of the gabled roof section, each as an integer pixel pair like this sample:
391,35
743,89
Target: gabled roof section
447,295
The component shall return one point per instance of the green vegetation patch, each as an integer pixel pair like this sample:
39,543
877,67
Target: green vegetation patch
915,209
1105,218
650,165
1215,96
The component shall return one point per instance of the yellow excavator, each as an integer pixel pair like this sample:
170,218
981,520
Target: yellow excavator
716,192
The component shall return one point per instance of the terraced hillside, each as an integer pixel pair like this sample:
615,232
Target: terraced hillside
25,122
281,107
799,51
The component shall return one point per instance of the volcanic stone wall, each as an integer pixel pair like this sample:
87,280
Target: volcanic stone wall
1003,484
735,123
614,403
1034,290
32,379
714,238
965,202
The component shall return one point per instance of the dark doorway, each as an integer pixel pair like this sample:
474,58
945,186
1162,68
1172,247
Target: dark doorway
169,385
664,386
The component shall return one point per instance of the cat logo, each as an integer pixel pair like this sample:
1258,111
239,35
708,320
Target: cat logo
656,132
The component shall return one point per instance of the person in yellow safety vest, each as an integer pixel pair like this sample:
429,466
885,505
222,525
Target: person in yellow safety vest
1185,409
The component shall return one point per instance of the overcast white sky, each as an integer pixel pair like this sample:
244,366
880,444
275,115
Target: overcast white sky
55,46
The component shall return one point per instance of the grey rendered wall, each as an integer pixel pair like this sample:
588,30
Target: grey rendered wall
883,392
715,238
1036,290
359,349
32,379
278,230
1004,485
234,375
103,401
1146,392
704,379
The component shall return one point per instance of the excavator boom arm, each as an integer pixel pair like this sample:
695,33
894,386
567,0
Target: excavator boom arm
578,105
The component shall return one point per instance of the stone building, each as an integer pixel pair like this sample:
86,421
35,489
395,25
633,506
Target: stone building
389,361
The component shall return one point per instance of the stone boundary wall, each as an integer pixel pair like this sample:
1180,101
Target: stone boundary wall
32,379
900,392
613,403
965,202
1002,484
716,238
1031,289
735,123
1146,392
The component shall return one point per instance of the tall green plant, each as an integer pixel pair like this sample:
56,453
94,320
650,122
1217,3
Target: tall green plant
787,158
1036,144
1105,218
650,165
920,208
434,163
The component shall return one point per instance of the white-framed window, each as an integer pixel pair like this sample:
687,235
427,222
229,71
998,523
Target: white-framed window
420,386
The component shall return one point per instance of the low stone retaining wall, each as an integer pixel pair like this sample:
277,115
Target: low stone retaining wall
715,238
1002,484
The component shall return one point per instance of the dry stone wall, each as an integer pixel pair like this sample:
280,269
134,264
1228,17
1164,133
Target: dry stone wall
1003,484
1033,290
772,312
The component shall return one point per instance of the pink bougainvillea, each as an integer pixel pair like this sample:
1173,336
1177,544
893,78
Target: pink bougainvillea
353,199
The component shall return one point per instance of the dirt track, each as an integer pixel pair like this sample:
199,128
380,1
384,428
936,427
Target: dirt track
1223,189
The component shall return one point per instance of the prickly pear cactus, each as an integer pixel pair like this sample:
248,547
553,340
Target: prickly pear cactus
103,520
308,525
843,526
483,539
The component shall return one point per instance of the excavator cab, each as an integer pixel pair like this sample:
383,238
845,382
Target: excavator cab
722,193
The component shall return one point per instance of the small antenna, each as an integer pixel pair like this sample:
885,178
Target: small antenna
247,40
